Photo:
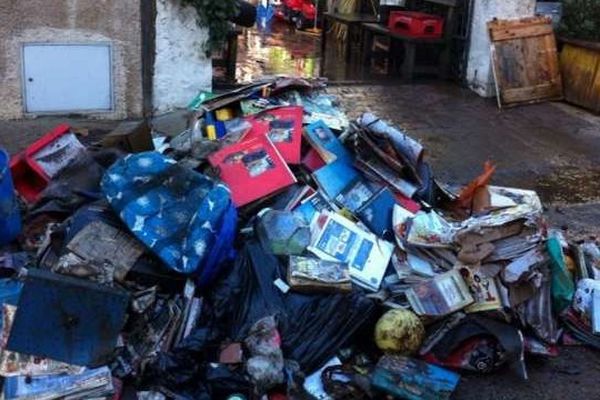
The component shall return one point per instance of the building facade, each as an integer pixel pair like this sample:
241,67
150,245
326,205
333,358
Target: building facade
110,59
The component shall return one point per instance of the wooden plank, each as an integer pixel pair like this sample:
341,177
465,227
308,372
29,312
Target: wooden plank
581,74
520,32
509,65
518,23
551,55
525,61
523,95
533,64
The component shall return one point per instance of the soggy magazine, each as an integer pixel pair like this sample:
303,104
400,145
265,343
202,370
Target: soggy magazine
337,239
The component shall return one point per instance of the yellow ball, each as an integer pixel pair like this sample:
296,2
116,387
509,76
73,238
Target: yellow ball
399,331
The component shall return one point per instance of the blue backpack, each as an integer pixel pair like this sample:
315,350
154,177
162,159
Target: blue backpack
184,217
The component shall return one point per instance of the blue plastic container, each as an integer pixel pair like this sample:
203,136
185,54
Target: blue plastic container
10,216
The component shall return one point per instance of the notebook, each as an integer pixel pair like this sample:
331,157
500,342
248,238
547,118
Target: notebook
283,126
377,212
312,161
252,169
356,194
329,147
312,206
338,239
334,178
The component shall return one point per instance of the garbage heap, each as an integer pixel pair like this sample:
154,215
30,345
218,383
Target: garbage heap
274,250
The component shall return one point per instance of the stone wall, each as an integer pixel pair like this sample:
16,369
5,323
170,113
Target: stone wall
181,67
72,21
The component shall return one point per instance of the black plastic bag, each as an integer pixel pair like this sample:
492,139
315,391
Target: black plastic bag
312,327
76,185
182,370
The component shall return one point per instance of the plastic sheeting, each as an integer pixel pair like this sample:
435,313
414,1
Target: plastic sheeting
312,328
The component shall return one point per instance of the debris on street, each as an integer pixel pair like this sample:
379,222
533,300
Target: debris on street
274,250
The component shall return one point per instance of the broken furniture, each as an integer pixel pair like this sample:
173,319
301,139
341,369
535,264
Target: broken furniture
409,44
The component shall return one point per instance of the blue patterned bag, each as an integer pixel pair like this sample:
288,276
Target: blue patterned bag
184,217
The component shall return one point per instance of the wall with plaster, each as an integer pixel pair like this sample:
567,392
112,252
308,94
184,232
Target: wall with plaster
73,21
479,71
181,68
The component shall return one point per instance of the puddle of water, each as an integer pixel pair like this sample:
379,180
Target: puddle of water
277,50
281,49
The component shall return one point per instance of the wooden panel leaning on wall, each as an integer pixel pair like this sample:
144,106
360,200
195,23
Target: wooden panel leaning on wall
525,61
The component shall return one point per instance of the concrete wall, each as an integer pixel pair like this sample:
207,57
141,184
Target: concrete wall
479,71
73,21
181,67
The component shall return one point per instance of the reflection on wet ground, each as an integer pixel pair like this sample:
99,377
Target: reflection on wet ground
277,50
281,49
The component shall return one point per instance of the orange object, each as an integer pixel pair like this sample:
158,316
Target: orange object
467,194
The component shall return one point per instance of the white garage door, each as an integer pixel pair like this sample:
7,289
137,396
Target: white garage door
66,78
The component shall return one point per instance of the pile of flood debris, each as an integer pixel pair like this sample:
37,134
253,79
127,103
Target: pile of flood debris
274,250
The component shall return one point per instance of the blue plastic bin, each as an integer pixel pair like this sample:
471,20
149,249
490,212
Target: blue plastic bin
10,216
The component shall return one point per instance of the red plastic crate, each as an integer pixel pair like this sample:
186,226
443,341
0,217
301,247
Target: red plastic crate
28,177
416,24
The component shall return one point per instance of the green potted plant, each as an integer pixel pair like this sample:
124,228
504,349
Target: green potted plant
580,56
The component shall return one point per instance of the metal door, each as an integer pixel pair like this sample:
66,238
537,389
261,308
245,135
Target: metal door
67,77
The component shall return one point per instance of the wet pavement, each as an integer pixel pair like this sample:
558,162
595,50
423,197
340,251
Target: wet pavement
551,147
548,147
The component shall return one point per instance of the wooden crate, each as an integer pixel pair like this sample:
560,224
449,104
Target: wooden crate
580,67
525,61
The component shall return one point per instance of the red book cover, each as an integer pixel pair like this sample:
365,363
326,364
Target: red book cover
252,169
408,204
118,385
312,160
283,126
